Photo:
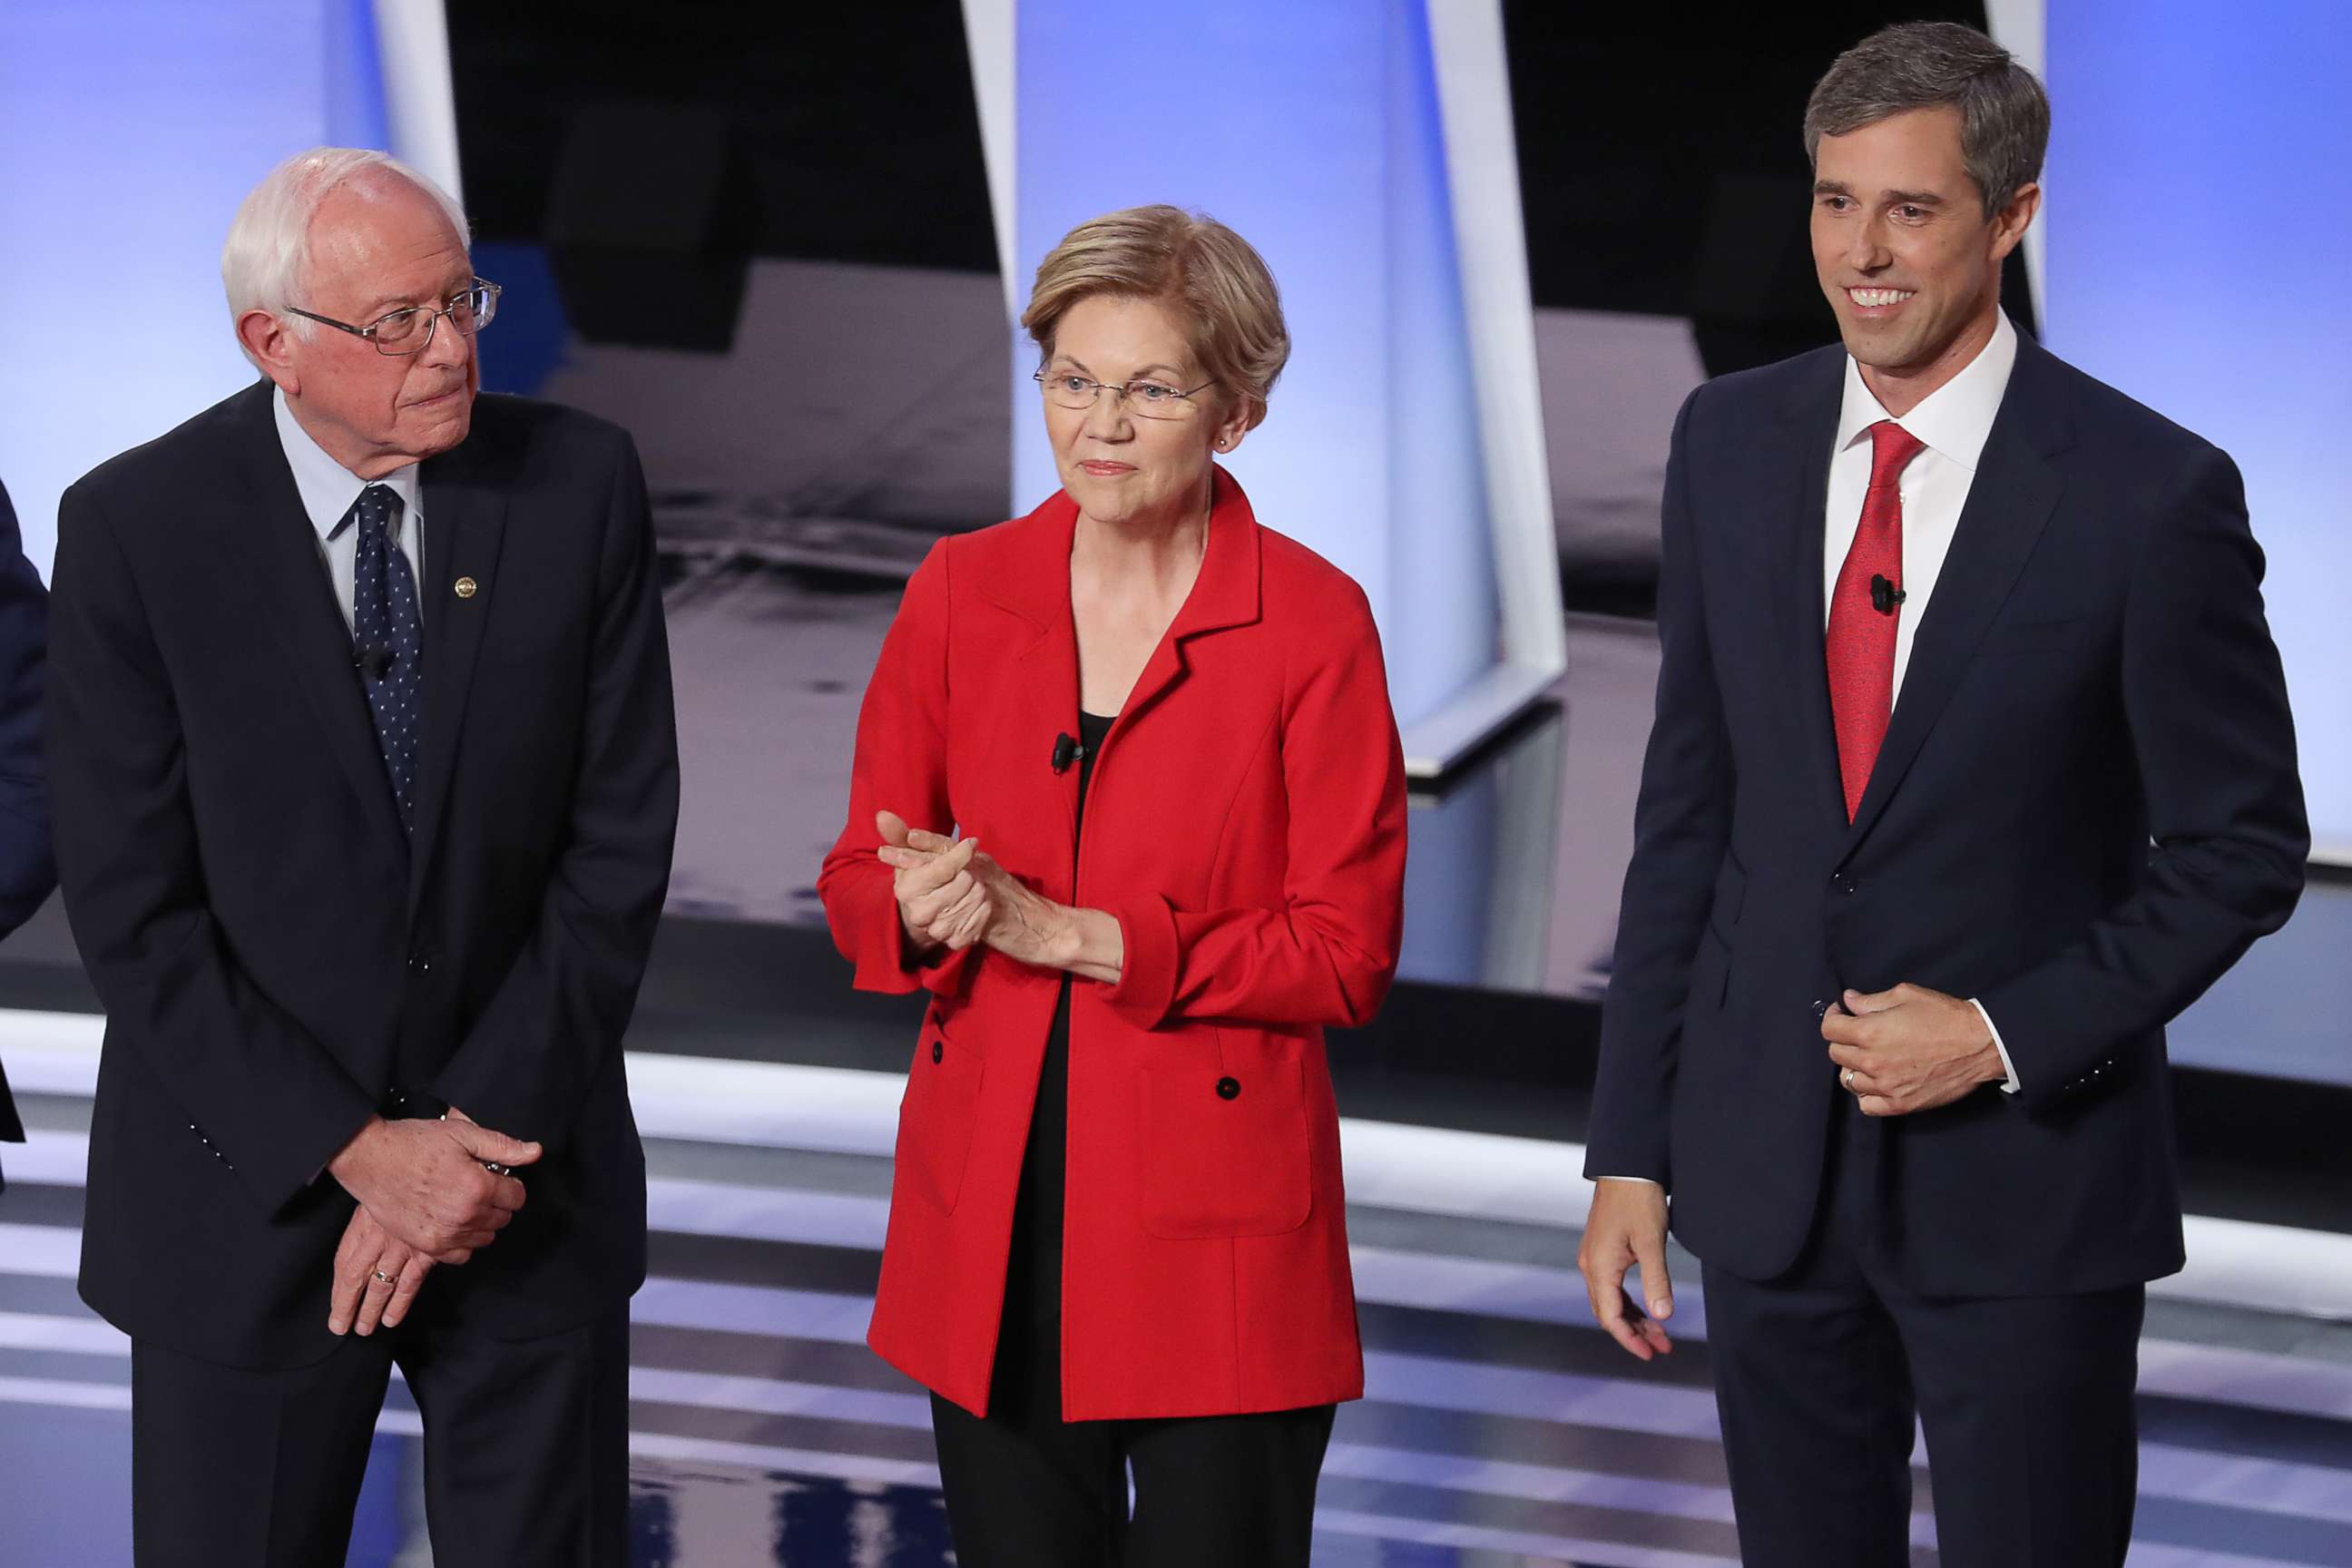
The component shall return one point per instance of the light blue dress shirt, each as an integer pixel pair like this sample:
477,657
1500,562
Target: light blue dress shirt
328,491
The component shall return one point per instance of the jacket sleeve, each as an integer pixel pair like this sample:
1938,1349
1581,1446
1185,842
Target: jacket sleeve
2206,701
1327,955
249,1077
26,870
555,1024
1681,830
900,765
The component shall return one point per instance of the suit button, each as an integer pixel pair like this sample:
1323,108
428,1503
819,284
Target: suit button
1820,1008
421,962
938,1050
1844,884
1228,1088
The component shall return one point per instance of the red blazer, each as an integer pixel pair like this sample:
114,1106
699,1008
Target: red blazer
1246,826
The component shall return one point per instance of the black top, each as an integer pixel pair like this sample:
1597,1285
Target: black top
1033,1284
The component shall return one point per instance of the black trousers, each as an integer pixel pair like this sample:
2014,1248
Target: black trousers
2026,1402
526,1450
1027,1489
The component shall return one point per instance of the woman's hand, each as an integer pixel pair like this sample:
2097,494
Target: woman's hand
941,903
948,888
996,908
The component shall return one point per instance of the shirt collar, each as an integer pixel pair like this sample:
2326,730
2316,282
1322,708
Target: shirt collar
326,488
1956,418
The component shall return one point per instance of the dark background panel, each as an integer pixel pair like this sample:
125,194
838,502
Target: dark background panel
854,126
1662,162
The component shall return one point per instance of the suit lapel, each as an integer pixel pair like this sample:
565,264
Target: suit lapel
1035,586
1226,594
1042,699
465,522
281,548
1812,419
2016,487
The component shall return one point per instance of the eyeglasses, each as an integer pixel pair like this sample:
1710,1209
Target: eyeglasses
1146,399
409,331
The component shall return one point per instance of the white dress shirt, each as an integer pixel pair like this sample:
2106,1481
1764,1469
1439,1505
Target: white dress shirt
328,491
1953,421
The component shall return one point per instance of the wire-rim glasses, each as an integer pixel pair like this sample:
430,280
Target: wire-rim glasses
1144,398
409,329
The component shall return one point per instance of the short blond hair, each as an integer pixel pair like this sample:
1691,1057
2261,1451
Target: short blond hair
1207,275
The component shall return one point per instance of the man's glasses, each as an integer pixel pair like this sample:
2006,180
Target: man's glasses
409,331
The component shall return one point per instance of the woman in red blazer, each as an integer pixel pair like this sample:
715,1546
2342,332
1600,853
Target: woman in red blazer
1161,737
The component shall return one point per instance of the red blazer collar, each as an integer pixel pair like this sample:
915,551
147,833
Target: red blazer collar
1036,584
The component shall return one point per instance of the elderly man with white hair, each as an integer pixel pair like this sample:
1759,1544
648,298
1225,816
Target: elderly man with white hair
366,779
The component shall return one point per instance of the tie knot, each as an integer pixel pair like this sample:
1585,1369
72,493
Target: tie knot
1892,447
379,507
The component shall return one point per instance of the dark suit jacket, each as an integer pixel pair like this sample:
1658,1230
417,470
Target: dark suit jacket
278,959
26,872
2086,809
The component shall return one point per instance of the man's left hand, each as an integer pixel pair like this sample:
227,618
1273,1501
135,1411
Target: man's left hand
1910,1049
377,1275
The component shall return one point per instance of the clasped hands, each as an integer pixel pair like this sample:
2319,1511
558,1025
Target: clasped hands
426,1196
951,895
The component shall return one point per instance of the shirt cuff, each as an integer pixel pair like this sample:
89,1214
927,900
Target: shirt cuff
2011,1086
1644,1179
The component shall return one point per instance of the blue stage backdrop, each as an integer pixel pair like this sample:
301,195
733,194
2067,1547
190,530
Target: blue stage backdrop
2200,218
129,132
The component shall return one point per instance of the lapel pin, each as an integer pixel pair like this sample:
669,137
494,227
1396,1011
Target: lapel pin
468,588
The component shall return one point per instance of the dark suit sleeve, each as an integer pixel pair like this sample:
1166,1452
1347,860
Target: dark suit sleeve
1682,826
26,871
269,1096
2214,743
554,1024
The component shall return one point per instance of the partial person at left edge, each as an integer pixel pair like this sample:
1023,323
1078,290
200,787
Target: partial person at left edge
26,872
360,720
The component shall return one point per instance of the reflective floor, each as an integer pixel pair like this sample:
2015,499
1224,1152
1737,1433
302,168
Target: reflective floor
1500,1428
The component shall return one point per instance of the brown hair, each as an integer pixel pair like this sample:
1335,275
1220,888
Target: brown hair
1213,280
2004,114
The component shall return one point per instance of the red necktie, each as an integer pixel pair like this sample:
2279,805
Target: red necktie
1861,640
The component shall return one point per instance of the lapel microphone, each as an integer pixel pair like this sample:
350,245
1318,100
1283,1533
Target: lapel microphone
1884,595
1067,751
372,659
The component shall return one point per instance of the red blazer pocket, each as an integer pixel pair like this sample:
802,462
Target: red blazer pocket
935,1119
1224,1151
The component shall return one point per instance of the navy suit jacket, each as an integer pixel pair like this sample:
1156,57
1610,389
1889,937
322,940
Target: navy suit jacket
26,872
278,957
2086,807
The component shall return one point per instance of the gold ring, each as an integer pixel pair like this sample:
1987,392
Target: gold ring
385,1278
1848,1077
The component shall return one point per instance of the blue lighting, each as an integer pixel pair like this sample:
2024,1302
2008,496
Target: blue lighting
2200,218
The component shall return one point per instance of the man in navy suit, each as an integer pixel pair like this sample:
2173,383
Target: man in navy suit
1973,767
26,874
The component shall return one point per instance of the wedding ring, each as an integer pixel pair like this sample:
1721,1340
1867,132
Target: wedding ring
494,1169
1846,1078
385,1278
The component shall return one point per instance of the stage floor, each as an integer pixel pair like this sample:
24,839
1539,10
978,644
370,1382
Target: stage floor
1500,1428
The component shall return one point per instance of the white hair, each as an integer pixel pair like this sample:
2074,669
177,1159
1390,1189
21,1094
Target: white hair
267,258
